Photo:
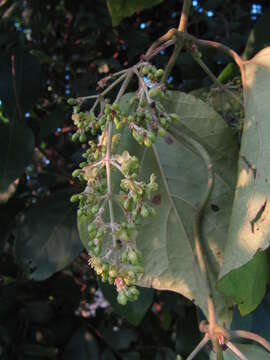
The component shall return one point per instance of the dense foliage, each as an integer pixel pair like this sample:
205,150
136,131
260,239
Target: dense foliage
51,303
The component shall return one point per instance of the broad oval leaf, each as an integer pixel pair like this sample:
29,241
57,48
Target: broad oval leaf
166,242
249,227
47,241
120,9
16,151
21,82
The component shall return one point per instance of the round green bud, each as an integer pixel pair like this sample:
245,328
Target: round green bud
94,209
75,137
151,136
174,117
83,138
145,70
122,298
153,92
76,172
144,212
147,142
100,233
115,106
132,257
97,250
74,198
71,101
159,73
161,131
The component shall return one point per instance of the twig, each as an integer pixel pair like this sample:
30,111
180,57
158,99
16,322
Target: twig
108,155
236,351
184,16
251,336
199,347
215,80
177,49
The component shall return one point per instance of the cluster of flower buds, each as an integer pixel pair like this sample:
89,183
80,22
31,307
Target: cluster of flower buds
119,261
113,215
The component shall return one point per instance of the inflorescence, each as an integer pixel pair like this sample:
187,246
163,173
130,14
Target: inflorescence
112,240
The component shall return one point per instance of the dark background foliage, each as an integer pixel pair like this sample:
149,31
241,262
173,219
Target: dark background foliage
51,305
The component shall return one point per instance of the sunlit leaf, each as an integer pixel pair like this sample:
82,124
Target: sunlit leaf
249,227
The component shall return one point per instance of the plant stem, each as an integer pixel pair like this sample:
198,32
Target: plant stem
128,77
251,336
215,80
184,16
236,351
199,347
177,49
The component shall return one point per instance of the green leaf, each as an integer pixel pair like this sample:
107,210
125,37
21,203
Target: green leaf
169,250
247,285
251,352
249,227
48,241
134,311
166,241
16,151
24,74
259,36
120,9
82,346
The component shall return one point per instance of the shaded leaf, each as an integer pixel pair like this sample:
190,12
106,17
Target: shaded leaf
249,227
134,311
24,74
82,346
259,36
247,285
252,352
48,240
120,9
16,151
119,339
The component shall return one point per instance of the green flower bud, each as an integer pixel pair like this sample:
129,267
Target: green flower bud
83,138
151,136
145,70
110,280
71,101
115,106
121,298
74,198
132,257
76,172
75,137
161,131
144,212
174,117
95,209
159,73
97,250
147,142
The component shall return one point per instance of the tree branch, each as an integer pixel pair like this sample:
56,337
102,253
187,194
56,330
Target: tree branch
199,347
236,351
251,336
184,16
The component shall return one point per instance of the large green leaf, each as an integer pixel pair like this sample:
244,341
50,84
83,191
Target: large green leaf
134,311
251,352
249,227
120,9
47,241
166,242
16,151
21,82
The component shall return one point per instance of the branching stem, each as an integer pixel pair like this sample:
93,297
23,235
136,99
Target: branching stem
215,80
251,336
199,347
236,351
123,88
